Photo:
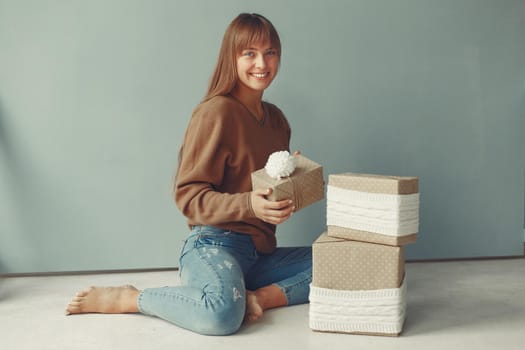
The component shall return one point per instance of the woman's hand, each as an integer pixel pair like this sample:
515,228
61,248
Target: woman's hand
268,211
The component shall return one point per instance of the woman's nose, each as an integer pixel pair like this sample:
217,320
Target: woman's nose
260,61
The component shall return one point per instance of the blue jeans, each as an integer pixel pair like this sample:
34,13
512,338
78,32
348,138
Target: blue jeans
216,269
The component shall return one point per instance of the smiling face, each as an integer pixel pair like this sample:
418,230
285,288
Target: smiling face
248,59
257,66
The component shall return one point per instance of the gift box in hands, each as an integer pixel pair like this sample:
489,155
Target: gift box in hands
292,177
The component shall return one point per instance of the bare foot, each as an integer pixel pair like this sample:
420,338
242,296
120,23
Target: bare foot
254,309
263,299
107,300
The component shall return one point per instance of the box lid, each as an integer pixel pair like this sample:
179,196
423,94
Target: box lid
375,183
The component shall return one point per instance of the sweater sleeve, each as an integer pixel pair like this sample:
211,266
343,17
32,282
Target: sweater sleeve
201,173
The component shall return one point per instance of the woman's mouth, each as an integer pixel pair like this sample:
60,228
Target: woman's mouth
260,75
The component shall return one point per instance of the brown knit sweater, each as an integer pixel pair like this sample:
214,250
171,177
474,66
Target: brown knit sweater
223,145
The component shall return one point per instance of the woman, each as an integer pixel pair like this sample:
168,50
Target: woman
230,267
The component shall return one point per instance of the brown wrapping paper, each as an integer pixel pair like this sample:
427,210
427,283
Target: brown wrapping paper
370,237
350,265
305,186
372,183
375,183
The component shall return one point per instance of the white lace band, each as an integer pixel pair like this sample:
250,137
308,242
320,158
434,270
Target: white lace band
388,214
375,311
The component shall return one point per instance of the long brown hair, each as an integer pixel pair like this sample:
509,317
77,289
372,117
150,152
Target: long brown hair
245,29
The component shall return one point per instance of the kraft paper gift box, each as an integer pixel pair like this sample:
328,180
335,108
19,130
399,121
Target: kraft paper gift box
304,186
373,208
357,287
352,265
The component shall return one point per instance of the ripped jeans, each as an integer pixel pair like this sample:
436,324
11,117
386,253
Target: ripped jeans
216,268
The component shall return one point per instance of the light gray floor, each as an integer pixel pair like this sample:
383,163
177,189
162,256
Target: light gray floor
451,305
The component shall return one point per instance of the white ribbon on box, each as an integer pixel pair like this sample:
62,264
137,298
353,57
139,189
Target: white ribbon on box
379,311
388,214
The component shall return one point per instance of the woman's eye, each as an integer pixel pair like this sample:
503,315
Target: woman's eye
248,54
271,52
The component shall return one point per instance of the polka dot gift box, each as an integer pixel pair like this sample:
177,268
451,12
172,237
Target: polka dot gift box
353,265
373,208
358,278
357,287
301,181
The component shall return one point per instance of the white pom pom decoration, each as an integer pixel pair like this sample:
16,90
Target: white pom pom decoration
280,164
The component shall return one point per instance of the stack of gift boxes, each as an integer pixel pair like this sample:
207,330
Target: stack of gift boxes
358,279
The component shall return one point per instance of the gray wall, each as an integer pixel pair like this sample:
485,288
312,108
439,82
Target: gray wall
95,97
